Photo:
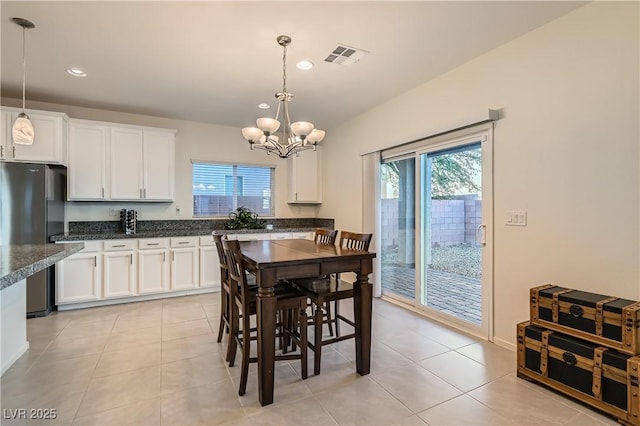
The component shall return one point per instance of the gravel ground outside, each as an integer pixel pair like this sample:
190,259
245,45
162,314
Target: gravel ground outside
463,259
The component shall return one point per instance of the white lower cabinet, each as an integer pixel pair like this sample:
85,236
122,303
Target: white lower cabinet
78,277
153,266
209,264
184,263
144,268
119,268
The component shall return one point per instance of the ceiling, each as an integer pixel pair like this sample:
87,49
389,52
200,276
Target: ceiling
214,62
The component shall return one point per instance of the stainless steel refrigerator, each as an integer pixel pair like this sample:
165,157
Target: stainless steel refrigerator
32,198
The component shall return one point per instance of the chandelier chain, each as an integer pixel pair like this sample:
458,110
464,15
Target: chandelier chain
284,69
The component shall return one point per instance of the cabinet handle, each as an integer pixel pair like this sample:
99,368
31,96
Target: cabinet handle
14,152
1,151
173,256
131,255
153,244
118,245
145,193
95,261
183,242
164,257
102,192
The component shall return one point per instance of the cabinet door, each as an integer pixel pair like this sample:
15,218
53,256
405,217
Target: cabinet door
119,274
304,178
153,271
87,161
5,130
125,164
209,267
158,166
184,268
48,143
78,278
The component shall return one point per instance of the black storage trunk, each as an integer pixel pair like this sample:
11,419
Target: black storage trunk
599,376
610,321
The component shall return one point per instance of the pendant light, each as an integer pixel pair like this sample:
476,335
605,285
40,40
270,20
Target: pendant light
293,137
22,130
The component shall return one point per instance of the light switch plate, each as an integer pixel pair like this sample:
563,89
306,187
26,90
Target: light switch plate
516,218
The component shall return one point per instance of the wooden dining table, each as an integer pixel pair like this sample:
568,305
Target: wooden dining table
273,260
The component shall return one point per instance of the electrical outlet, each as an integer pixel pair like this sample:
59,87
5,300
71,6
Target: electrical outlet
113,212
178,211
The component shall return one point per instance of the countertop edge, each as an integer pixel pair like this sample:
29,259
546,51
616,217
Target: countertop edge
38,264
168,233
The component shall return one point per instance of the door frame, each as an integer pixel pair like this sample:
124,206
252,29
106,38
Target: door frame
484,135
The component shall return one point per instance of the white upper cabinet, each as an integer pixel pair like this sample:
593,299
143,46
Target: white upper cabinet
50,141
158,165
304,178
125,156
120,162
87,160
142,164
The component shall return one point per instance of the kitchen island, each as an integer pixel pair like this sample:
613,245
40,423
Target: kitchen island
17,262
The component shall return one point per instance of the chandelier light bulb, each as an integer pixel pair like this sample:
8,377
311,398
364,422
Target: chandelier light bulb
252,134
268,125
302,128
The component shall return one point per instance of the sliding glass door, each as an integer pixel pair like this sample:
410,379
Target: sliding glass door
398,238
435,244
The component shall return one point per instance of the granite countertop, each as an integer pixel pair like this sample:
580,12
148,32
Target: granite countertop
17,262
163,233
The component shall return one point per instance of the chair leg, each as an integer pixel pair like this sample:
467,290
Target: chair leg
224,315
336,312
234,320
317,340
246,352
327,309
303,342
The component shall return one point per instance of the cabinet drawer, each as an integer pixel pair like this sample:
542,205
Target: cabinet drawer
249,237
206,241
184,242
119,245
153,243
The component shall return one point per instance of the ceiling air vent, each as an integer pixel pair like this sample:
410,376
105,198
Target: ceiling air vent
345,55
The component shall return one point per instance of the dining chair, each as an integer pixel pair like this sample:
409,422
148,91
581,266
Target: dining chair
323,290
292,317
324,237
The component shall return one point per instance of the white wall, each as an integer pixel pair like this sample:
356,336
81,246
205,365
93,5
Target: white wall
194,140
566,151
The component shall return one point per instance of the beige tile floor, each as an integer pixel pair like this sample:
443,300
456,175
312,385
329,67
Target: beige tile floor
158,363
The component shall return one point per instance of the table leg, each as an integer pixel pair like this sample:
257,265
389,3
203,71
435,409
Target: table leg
266,322
362,305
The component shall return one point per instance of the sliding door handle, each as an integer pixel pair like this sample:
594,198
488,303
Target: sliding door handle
481,234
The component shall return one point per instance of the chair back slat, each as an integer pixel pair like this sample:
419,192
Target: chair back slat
224,267
355,241
325,237
237,272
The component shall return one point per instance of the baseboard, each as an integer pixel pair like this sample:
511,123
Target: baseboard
6,364
505,344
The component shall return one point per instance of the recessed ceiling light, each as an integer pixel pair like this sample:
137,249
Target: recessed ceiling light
76,72
304,65
264,106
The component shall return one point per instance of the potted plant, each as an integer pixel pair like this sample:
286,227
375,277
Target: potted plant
243,218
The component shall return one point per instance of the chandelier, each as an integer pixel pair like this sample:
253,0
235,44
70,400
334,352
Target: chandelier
293,137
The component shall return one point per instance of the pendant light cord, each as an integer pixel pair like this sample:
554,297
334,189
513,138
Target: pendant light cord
24,68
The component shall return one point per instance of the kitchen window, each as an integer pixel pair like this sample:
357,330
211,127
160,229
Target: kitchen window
220,188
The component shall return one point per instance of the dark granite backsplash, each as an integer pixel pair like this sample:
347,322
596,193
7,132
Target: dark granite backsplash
204,224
